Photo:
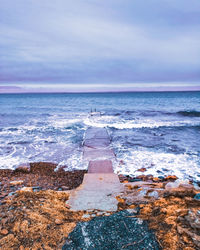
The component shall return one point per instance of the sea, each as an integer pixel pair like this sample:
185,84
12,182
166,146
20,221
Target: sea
159,131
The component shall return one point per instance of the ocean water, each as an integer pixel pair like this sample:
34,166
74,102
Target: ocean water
158,131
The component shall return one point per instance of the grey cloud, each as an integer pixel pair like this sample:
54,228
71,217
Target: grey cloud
99,41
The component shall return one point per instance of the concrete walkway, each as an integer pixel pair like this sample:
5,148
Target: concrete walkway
100,186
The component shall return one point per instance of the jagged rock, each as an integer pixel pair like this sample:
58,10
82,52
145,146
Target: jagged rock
121,230
193,236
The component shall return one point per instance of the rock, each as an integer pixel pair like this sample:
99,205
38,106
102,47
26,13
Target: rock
4,231
154,194
117,231
14,183
171,177
86,216
170,185
21,248
8,239
193,236
197,197
67,205
135,179
142,170
60,168
24,226
58,222
24,168
156,179
25,189
4,221
65,188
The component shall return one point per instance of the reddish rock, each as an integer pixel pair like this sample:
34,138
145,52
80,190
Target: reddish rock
142,169
58,222
67,206
171,177
4,231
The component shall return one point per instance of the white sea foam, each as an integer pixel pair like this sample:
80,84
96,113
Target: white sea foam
64,123
184,166
74,162
114,122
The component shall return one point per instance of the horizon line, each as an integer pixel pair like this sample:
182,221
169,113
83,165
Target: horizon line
101,92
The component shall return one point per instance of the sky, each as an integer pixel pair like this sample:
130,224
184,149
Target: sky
99,45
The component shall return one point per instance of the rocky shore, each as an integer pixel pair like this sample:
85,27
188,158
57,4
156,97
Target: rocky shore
34,213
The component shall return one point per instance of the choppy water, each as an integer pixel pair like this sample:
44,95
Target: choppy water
158,131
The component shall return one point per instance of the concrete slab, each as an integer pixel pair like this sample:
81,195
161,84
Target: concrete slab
101,166
97,154
97,192
98,133
97,143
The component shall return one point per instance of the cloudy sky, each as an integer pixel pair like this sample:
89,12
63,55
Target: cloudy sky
98,45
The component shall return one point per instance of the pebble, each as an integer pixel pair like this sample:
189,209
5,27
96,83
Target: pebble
4,231
58,222
132,210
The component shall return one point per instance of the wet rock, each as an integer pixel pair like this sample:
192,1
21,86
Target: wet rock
142,170
86,216
65,188
197,197
24,168
36,189
171,177
134,179
121,230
